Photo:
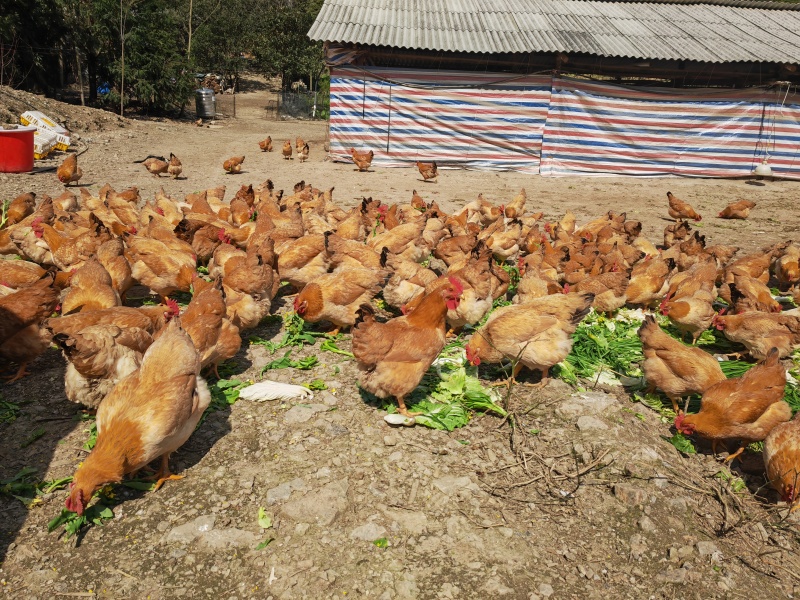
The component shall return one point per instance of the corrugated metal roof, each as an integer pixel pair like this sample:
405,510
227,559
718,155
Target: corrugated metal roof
714,31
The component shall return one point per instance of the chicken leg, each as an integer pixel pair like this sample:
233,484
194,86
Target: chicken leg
731,457
401,403
163,474
22,372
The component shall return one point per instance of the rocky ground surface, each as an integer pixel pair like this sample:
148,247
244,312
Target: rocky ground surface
576,495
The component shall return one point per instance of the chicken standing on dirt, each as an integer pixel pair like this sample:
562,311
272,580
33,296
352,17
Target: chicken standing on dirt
680,210
737,210
69,171
233,165
156,165
175,167
266,144
393,356
674,368
362,160
287,150
746,408
149,414
428,170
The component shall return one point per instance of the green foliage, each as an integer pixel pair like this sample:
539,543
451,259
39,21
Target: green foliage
286,362
9,411
316,385
682,443
25,487
96,514
329,345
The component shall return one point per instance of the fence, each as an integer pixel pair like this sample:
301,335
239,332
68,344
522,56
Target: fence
304,105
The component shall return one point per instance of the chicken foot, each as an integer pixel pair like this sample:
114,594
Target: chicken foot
163,474
401,403
21,372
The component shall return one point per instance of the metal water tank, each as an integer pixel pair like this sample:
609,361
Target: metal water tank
205,103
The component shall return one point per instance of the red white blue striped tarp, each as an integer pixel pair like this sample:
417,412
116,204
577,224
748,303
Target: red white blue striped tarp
558,126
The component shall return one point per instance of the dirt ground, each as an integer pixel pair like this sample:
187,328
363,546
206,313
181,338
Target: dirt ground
582,498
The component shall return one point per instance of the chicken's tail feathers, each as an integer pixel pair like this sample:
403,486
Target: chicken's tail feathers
150,156
582,311
773,356
384,257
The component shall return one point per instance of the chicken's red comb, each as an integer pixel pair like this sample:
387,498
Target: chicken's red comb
221,235
160,210
679,421
36,222
132,230
383,209
457,285
173,306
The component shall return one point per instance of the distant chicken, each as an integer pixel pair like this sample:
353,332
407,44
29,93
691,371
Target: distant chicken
69,171
336,297
746,408
737,210
148,415
175,167
287,150
233,165
266,144
782,461
787,267
156,165
362,160
19,208
537,335
428,170
674,368
302,153
680,210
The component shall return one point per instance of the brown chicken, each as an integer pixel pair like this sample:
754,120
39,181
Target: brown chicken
111,255
69,171
408,281
536,335
649,281
737,210
748,294
99,356
205,320
428,170
787,267
680,210
28,306
156,165
516,208
782,461
18,274
676,232
233,164
746,408
24,347
266,144
19,208
175,167
149,414
393,356
148,318
155,265
760,332
302,153
674,368
91,288
336,297
287,150
608,289
691,314
362,160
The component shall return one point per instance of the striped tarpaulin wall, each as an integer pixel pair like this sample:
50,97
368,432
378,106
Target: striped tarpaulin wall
596,129
532,124
474,121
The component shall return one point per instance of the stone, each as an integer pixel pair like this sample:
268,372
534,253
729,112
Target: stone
320,507
646,524
369,532
494,587
186,533
390,440
222,538
450,484
638,546
284,490
589,423
302,413
545,589
630,494
414,522
589,403
677,576
328,399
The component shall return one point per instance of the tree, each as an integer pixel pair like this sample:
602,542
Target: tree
282,46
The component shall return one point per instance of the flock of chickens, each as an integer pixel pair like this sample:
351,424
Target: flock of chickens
140,368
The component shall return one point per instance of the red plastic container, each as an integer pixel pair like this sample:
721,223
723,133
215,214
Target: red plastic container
16,150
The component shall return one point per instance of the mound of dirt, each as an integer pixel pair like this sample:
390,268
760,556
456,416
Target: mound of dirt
75,118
